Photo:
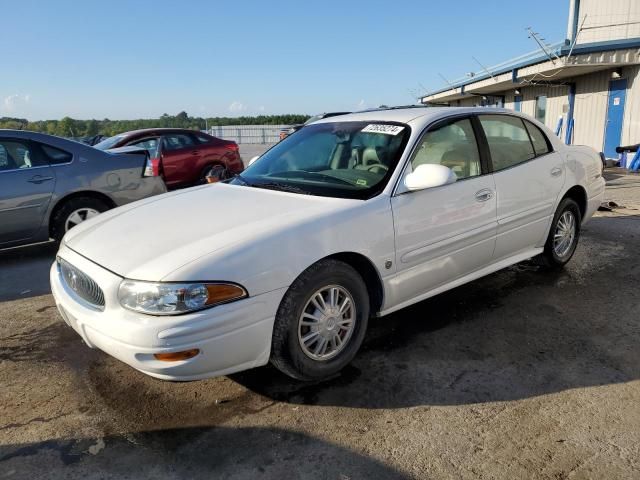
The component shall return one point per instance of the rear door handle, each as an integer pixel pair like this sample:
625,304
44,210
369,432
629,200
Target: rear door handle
39,179
556,171
194,152
484,195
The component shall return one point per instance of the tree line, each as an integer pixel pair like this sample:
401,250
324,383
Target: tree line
69,127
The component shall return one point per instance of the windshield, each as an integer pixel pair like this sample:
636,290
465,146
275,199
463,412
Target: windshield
340,159
108,143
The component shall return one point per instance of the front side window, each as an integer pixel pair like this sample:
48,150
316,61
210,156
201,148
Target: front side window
177,141
541,108
341,159
17,155
508,140
452,145
149,144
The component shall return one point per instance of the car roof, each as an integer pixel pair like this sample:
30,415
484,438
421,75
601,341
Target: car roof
159,131
413,114
44,138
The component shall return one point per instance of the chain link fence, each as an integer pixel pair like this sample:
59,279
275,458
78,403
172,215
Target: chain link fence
252,134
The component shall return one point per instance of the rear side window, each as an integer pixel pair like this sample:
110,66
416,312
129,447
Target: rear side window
539,140
17,155
508,140
55,155
202,139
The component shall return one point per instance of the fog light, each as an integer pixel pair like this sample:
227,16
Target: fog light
176,356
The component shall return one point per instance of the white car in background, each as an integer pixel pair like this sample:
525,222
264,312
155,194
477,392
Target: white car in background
353,216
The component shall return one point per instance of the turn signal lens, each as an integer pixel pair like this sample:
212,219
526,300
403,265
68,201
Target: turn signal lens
223,292
176,356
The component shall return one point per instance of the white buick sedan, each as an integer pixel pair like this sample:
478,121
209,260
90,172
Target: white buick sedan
349,217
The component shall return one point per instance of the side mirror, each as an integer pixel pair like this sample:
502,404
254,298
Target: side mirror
429,175
252,161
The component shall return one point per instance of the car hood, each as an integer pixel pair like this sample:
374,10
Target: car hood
148,240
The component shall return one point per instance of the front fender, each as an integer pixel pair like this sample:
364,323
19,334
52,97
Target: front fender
274,259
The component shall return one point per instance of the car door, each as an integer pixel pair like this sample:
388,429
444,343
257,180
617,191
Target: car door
447,232
180,159
26,185
528,175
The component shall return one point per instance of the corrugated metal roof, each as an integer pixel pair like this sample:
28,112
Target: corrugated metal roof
560,49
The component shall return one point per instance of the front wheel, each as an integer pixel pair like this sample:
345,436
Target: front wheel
564,234
321,321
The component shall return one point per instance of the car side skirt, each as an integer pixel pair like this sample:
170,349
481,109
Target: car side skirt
494,267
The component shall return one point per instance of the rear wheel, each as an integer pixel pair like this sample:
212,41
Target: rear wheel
73,212
563,236
213,171
321,321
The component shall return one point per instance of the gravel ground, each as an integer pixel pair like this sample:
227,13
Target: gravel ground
522,374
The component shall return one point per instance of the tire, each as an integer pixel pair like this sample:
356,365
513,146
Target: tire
554,257
60,221
324,277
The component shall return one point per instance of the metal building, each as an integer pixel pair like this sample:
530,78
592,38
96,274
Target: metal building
586,88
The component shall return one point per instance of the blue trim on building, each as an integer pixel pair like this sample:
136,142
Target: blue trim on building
572,100
563,52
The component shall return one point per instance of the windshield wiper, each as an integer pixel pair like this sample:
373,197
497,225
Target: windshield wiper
319,174
280,186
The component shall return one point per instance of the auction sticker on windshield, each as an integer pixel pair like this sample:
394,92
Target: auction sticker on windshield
380,128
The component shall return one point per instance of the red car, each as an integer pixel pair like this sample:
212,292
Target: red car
182,157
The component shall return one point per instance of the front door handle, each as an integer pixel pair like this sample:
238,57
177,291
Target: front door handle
38,179
484,195
556,171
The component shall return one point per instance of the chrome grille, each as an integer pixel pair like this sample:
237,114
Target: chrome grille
81,284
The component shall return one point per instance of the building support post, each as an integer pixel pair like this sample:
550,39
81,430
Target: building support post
572,26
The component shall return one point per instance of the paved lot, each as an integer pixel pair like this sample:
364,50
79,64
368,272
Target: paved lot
248,151
522,374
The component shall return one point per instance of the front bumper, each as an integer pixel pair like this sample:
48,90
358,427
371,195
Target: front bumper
231,337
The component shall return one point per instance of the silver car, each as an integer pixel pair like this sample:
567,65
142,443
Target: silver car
49,184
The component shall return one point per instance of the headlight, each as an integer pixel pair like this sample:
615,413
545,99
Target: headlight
175,298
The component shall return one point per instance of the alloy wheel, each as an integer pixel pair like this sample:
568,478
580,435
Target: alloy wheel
565,234
78,216
327,322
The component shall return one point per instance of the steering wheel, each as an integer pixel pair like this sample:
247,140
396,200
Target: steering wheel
377,165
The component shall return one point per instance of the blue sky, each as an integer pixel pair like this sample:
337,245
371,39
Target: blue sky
126,59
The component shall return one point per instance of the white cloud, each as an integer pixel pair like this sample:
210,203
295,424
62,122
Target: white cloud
237,107
16,102
261,108
361,104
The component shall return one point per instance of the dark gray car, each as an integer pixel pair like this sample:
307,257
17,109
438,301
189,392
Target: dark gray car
49,184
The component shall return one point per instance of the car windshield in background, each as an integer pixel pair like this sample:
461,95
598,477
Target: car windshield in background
108,143
340,159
